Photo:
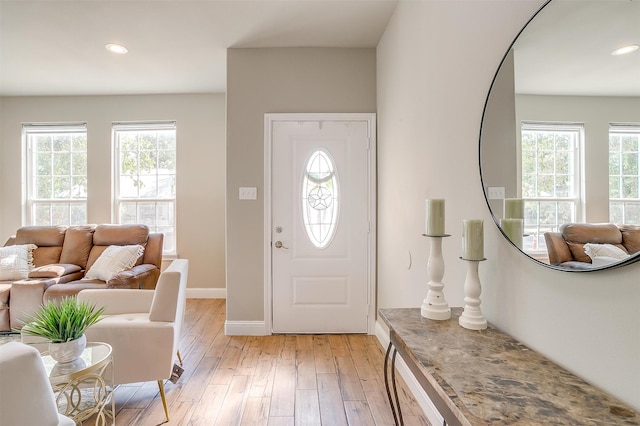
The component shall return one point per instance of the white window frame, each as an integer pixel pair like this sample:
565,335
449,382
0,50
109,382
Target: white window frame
624,129
30,130
117,199
576,198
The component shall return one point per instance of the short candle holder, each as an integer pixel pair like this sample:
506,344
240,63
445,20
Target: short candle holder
472,317
434,306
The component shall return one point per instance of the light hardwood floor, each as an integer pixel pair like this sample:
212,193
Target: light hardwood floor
268,380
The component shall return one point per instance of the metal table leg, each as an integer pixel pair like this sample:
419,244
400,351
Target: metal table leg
395,405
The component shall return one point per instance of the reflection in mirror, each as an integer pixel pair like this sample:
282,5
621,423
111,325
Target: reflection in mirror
560,134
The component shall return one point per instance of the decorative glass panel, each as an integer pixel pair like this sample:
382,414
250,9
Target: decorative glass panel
320,198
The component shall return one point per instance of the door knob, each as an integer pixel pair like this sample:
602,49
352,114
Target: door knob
278,244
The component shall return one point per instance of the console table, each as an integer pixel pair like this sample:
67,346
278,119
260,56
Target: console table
488,377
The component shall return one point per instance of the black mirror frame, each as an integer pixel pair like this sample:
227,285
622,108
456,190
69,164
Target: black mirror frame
626,262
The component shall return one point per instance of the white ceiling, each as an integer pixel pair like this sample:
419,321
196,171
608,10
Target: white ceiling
566,49
56,47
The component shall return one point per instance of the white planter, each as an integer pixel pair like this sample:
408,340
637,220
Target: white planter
68,351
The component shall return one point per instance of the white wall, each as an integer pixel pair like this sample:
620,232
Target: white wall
200,164
435,63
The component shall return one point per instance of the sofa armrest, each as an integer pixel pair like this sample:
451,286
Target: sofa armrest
118,301
139,277
557,248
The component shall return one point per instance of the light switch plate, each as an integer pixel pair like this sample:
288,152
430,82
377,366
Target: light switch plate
495,192
248,193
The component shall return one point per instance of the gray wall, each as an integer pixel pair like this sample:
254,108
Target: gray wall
200,164
430,99
277,80
499,137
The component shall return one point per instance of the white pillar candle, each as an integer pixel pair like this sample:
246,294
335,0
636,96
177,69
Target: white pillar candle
434,212
514,230
513,208
472,239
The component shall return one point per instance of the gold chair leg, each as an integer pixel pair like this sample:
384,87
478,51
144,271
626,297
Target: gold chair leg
179,357
164,398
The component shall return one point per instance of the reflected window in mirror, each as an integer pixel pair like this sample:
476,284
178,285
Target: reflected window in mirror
550,164
624,174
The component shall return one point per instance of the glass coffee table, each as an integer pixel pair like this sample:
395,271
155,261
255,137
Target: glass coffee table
84,387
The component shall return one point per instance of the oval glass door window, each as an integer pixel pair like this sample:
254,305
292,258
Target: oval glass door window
320,198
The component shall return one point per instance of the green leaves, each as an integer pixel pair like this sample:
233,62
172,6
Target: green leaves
62,322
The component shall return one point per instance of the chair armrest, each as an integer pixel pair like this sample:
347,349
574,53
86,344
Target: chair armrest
118,301
134,278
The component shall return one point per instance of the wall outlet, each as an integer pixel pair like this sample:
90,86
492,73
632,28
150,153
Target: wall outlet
495,192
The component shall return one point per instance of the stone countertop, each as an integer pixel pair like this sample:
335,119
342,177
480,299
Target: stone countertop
488,377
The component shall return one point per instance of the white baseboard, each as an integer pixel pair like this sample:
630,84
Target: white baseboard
206,293
382,333
245,328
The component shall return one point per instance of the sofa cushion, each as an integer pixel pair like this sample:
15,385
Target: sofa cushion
49,240
77,245
54,270
113,260
108,235
16,261
578,234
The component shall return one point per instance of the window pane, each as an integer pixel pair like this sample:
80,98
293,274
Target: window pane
128,213
62,143
78,213
59,214
62,187
79,164
43,188
42,214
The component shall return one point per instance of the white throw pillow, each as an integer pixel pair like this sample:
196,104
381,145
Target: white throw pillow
16,261
604,250
114,259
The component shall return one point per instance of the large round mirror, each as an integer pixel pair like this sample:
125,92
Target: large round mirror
560,136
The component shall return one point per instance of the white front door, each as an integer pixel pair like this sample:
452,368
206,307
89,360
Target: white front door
321,240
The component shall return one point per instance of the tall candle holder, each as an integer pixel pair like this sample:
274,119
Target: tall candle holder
434,306
472,317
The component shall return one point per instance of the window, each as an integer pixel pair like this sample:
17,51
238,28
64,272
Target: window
624,174
550,179
320,198
145,177
56,174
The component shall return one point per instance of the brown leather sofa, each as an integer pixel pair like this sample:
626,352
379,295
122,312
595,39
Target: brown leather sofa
566,247
61,259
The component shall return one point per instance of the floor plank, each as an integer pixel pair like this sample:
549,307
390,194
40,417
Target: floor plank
279,380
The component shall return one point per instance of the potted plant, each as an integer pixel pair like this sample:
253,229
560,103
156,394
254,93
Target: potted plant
63,325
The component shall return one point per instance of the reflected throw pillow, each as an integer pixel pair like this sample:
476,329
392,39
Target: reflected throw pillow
114,259
16,261
604,250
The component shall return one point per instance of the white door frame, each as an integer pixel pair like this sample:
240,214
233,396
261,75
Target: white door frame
269,119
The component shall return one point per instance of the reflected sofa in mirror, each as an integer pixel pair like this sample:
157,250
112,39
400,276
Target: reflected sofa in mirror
561,128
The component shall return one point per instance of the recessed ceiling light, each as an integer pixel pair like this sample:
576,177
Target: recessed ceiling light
116,48
625,49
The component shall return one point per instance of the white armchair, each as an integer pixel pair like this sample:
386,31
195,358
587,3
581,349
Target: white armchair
26,396
142,326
